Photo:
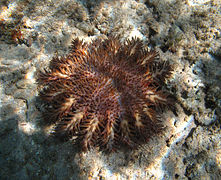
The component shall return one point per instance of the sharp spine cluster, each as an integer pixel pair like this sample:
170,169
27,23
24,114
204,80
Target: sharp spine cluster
106,94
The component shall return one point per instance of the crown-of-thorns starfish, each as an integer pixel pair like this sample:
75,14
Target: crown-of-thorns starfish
106,93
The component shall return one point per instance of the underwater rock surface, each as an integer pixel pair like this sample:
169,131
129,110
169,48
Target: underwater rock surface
185,33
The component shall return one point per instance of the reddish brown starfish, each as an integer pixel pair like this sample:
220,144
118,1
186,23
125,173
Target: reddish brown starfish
106,93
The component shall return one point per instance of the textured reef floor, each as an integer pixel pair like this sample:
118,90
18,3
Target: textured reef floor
183,33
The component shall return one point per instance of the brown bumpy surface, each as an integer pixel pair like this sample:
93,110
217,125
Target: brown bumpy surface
106,93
